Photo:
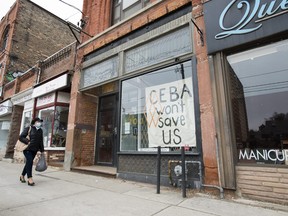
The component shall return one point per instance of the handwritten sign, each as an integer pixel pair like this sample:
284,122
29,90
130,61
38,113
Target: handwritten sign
170,114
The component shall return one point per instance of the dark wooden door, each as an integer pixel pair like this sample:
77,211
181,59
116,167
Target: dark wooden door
106,131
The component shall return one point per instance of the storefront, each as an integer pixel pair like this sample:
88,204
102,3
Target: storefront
52,105
248,44
147,97
5,122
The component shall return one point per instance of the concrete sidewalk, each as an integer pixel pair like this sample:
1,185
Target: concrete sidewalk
58,192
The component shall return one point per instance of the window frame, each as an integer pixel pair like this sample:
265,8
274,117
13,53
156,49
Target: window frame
4,38
122,11
175,151
53,105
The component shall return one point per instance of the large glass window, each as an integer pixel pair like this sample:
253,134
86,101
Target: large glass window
47,115
54,126
157,109
259,93
60,126
125,8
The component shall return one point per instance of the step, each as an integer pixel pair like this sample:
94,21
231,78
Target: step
104,171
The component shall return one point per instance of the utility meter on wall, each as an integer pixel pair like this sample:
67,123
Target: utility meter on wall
178,170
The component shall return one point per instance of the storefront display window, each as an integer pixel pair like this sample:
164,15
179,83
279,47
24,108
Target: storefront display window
157,109
60,126
53,108
47,115
54,126
259,94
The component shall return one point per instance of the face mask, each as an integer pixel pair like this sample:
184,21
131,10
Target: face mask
38,124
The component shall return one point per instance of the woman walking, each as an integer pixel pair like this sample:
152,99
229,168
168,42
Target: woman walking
33,137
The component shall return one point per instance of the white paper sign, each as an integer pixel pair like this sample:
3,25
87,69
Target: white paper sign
170,114
46,99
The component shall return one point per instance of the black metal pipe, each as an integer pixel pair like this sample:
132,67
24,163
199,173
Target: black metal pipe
158,169
183,172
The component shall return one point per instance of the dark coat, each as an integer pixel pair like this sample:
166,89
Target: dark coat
36,139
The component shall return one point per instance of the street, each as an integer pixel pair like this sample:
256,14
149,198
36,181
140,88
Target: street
59,192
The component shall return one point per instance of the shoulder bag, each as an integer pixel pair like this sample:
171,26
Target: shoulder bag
20,146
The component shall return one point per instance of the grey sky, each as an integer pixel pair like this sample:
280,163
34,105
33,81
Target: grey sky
54,6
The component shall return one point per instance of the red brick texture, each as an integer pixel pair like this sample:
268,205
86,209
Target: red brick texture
205,98
147,16
27,80
14,130
61,62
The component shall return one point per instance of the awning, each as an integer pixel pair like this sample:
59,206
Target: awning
6,108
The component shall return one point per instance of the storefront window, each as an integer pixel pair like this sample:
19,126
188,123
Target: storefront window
157,109
60,126
47,115
259,93
54,127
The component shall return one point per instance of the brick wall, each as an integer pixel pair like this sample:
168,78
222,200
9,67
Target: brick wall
27,80
40,32
94,12
86,124
55,157
80,142
14,130
7,22
208,130
263,183
37,34
60,62
146,17
9,89
20,84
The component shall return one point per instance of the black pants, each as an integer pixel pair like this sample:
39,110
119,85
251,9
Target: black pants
29,155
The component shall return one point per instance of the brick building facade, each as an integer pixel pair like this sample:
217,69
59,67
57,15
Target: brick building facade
127,83
28,34
97,135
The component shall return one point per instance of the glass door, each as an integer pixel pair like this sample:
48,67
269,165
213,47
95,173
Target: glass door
107,131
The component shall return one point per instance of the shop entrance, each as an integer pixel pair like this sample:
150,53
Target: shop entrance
106,131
